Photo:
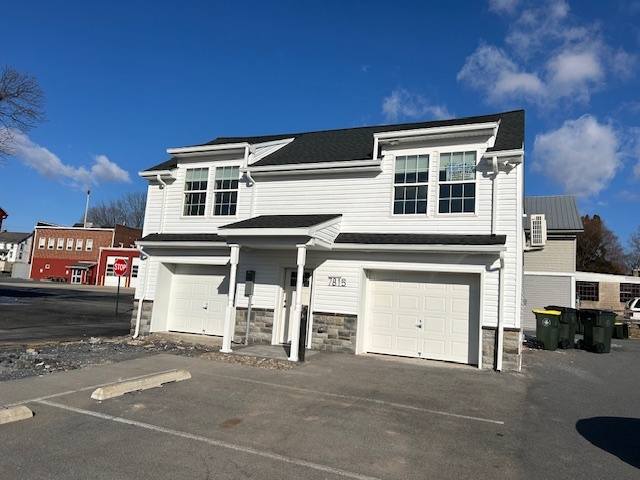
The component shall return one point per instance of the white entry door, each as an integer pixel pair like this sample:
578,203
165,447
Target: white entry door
424,314
198,299
289,302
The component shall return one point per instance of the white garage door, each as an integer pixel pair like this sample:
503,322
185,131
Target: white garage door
198,299
426,315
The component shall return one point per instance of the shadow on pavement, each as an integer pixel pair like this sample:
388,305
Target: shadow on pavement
17,292
616,435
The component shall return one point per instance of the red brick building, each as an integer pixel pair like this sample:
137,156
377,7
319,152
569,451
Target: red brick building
71,254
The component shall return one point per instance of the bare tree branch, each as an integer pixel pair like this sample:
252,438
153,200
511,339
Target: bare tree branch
128,210
21,105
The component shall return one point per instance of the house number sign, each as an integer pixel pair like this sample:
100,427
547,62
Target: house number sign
337,282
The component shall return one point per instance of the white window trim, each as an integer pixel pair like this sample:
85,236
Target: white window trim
69,244
60,244
458,148
428,183
206,192
42,243
78,244
215,190
51,243
89,245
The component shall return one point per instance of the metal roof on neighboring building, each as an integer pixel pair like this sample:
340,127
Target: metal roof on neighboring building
560,211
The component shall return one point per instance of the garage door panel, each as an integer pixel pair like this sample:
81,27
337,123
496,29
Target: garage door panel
434,325
409,302
198,299
406,344
446,305
407,322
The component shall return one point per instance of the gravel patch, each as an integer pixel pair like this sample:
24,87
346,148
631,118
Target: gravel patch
51,357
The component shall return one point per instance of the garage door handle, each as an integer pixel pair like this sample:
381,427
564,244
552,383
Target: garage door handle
419,325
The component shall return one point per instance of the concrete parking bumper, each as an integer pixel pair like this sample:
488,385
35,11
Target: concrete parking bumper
156,380
13,414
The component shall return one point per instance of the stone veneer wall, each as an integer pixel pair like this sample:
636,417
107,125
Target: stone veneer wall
145,319
334,332
260,327
511,351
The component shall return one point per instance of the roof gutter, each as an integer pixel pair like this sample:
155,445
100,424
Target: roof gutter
350,165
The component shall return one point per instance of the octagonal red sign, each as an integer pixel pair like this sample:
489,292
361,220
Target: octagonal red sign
120,267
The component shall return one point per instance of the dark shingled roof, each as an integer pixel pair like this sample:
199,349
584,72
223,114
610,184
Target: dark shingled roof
282,221
13,237
420,239
561,212
357,143
183,237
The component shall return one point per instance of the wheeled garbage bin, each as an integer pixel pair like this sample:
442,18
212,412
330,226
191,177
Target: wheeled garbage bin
598,328
620,330
547,328
567,326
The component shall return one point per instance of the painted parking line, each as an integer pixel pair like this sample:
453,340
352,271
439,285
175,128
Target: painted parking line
84,389
210,441
362,399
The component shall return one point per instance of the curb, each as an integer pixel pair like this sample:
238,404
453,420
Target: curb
13,414
118,389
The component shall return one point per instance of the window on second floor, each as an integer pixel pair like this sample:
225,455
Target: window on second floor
195,191
69,243
51,243
41,242
410,184
89,245
226,190
60,244
457,182
79,244
588,291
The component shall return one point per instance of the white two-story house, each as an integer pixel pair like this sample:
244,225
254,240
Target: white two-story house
397,239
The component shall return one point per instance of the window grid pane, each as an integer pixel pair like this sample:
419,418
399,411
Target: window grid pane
457,174
629,291
411,176
195,187
588,291
226,191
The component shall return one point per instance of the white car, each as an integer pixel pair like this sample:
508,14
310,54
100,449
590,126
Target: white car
632,309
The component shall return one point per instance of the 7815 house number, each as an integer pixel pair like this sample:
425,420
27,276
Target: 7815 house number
337,282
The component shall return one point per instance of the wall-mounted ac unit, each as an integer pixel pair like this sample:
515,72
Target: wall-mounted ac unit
538,230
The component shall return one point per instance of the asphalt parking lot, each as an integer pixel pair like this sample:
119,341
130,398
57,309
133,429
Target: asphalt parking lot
570,414
40,311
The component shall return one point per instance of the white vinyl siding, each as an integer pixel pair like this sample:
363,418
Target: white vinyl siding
558,255
544,290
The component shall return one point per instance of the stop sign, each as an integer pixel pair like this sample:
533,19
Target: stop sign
120,267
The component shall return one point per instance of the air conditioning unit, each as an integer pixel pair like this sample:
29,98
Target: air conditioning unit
538,230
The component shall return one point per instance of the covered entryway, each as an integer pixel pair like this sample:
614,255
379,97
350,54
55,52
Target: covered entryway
198,299
424,314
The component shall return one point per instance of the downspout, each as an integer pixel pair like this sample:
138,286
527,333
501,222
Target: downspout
164,195
500,326
253,193
494,195
144,292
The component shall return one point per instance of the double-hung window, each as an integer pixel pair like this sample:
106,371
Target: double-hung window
69,243
60,244
226,190
410,184
457,181
195,191
41,242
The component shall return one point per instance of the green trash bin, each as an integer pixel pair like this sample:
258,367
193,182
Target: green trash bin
620,330
598,328
567,326
547,328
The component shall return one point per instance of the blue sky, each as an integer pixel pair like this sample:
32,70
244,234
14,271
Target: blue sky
124,81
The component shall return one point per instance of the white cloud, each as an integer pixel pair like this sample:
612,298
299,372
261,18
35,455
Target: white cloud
490,69
50,166
402,104
549,58
503,6
635,145
582,156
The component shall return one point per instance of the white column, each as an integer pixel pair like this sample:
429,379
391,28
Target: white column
295,324
229,320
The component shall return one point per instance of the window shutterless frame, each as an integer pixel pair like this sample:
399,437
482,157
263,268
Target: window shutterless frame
226,190
410,184
457,182
195,192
